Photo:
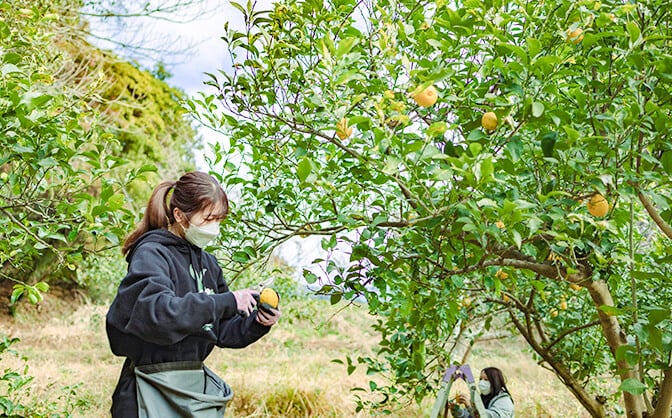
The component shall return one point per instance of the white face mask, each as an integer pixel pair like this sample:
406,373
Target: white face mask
203,235
484,387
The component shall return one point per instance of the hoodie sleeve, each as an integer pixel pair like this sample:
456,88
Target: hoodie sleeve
148,307
239,332
235,331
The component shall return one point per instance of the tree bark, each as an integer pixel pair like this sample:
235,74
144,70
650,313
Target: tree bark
634,404
664,405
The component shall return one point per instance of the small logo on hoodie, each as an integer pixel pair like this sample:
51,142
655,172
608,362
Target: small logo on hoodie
198,277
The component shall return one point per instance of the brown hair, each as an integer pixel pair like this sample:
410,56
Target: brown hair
192,193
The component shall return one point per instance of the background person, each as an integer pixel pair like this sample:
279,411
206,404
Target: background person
494,394
173,307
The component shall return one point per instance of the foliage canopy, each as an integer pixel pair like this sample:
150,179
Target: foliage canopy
436,209
79,127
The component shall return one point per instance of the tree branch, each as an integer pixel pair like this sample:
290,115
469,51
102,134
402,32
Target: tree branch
653,213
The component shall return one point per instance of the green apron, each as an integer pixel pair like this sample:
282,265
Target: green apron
180,389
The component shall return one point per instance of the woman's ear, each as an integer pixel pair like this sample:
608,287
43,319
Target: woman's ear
179,216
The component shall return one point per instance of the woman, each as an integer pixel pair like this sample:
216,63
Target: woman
173,307
494,394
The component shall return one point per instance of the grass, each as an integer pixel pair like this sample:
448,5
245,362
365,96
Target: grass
289,373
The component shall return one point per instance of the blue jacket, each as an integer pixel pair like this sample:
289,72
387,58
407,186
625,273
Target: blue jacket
173,305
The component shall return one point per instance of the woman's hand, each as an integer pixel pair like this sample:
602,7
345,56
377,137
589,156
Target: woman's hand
268,317
463,399
245,301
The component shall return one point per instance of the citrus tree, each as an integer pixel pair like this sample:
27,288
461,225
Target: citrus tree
501,160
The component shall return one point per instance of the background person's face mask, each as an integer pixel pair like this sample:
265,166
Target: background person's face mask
202,235
484,387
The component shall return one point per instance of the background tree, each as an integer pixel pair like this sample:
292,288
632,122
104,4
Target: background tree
79,127
449,214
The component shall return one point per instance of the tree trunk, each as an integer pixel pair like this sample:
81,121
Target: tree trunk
634,404
664,405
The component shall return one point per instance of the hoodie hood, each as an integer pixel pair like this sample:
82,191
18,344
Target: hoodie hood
163,237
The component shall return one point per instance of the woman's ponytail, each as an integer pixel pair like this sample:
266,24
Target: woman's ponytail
157,215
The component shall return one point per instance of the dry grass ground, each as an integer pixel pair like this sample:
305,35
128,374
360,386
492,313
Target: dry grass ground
289,373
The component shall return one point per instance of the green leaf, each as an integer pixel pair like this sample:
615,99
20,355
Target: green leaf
533,46
632,386
548,143
633,31
17,291
335,298
517,239
666,161
348,76
537,109
304,169
487,169
345,46
42,286
612,310
240,257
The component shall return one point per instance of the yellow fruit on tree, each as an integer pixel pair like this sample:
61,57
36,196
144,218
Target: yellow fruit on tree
501,274
426,97
575,36
343,131
575,286
563,305
554,313
500,224
489,121
466,302
269,297
598,205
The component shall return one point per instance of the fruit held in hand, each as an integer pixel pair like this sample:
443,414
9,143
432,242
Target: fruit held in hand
426,97
269,299
489,121
598,205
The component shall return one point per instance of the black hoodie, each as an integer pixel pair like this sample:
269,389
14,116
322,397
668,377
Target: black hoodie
159,315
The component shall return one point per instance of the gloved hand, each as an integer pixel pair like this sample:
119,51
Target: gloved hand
246,300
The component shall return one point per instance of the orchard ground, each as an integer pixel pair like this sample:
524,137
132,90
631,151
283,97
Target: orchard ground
289,373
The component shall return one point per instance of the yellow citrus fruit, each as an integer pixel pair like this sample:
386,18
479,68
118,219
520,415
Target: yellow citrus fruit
575,286
489,121
269,297
500,224
466,302
563,305
598,205
501,274
343,131
554,313
575,36
427,97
